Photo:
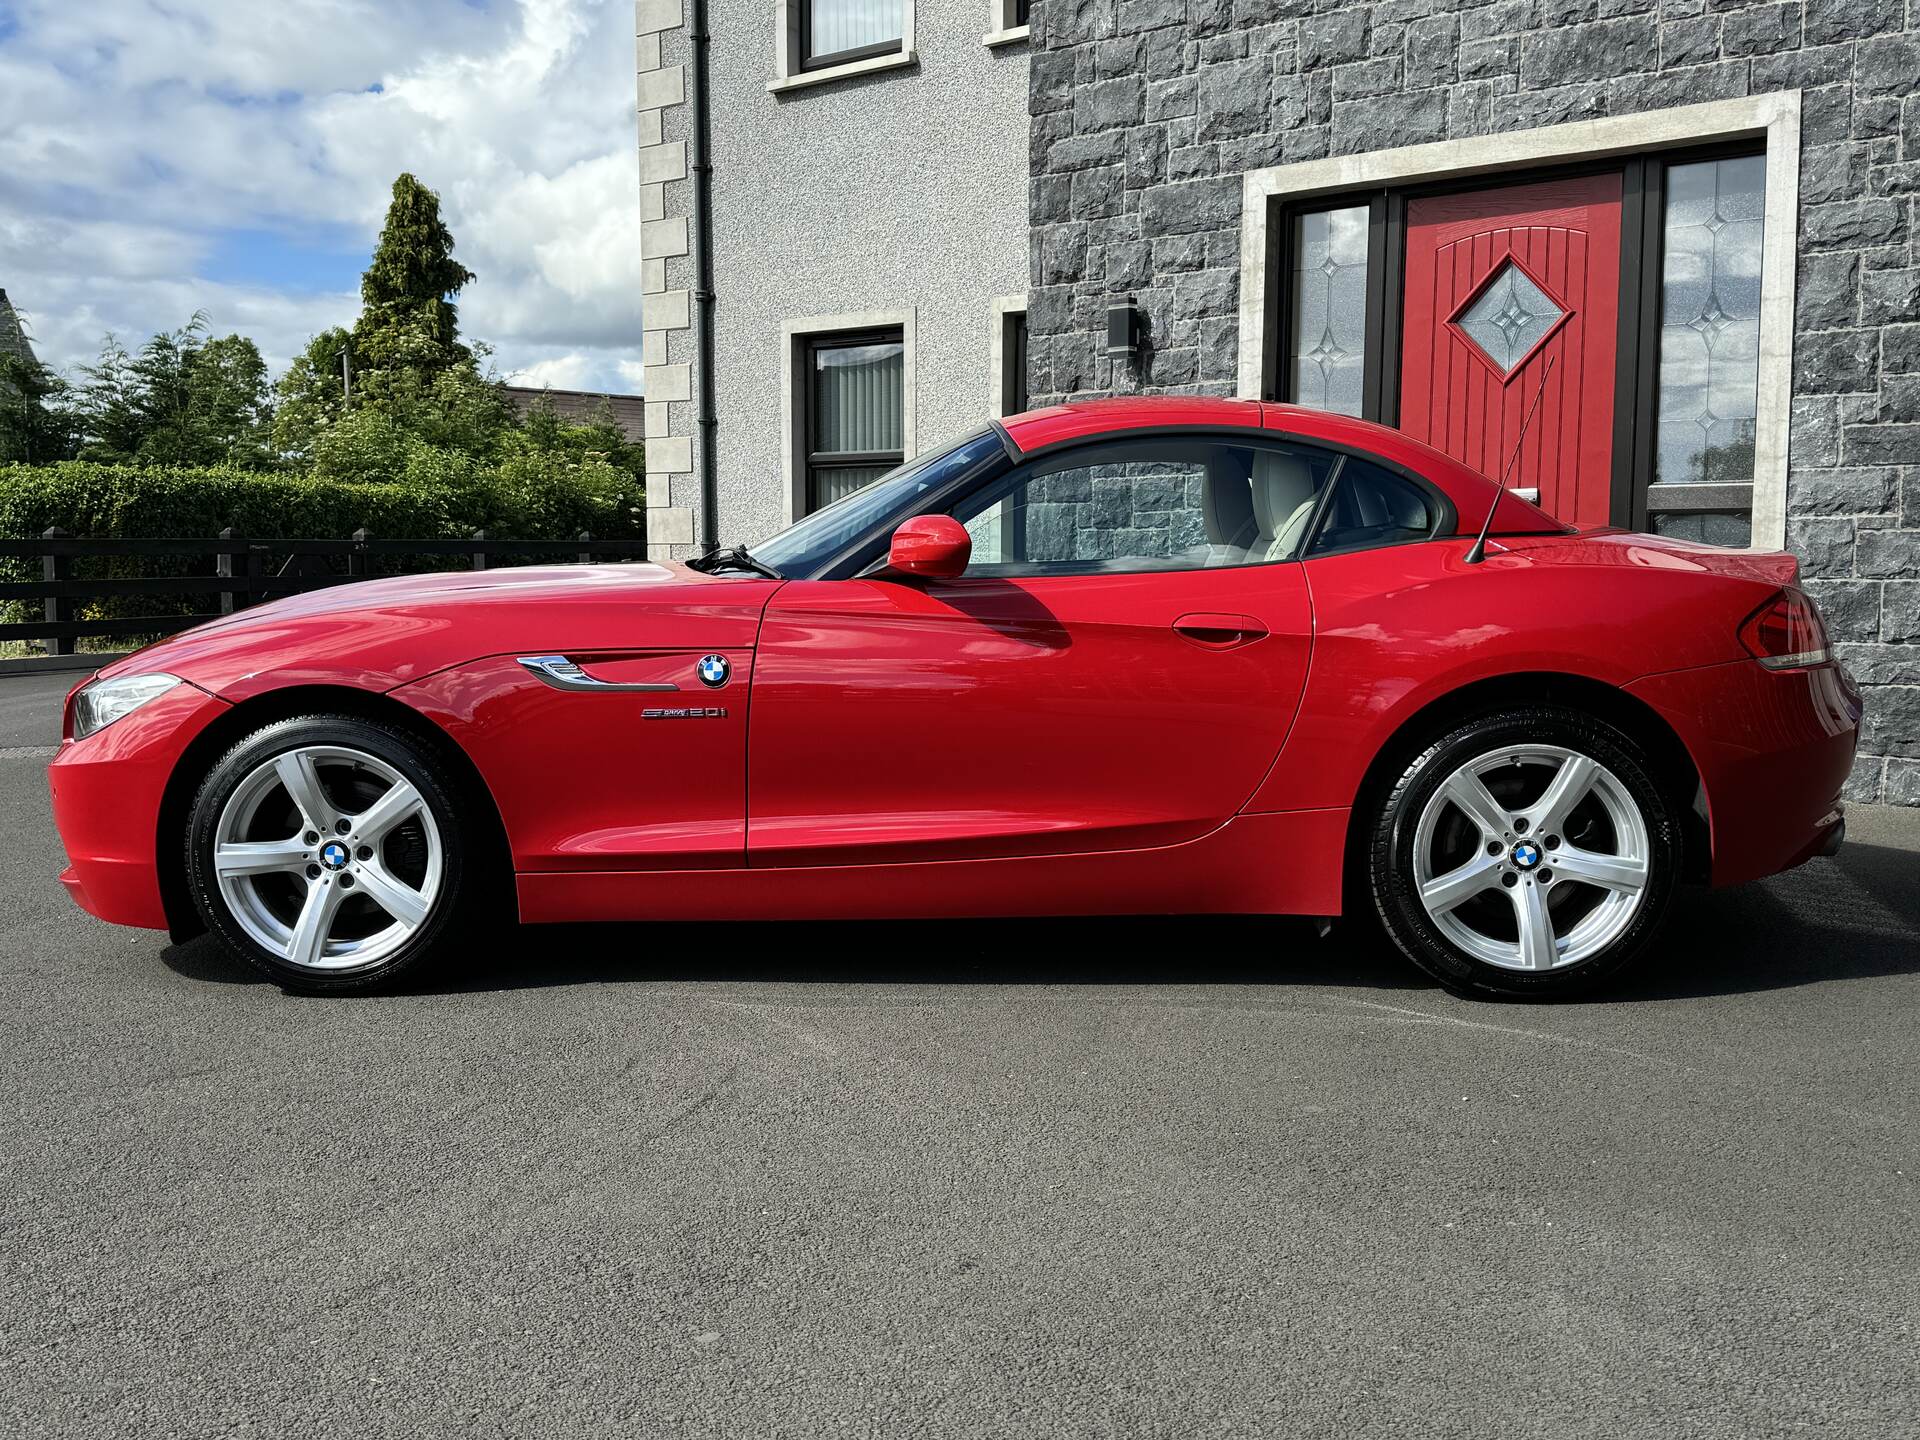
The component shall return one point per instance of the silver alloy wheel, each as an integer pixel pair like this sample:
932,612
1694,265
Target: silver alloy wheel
1523,849
291,893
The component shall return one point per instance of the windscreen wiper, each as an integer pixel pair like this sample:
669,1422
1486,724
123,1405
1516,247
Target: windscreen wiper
738,557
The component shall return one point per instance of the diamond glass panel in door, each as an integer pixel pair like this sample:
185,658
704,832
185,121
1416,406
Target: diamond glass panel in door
1508,318
1457,392
857,428
1709,332
1328,347
845,29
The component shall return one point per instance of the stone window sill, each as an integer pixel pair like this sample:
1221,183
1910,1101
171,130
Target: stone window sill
1014,36
807,79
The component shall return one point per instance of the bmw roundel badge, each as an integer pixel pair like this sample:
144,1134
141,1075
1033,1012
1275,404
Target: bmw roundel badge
333,855
1526,855
713,670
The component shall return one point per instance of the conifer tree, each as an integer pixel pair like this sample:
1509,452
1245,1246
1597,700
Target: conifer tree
408,321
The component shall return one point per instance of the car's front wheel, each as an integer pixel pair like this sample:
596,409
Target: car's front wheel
1527,853
329,851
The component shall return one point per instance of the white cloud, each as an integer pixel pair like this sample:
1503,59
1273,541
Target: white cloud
559,372
136,134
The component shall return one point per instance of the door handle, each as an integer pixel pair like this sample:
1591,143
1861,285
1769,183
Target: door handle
562,674
1218,631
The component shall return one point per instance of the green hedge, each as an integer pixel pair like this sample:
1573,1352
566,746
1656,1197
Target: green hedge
528,497
531,495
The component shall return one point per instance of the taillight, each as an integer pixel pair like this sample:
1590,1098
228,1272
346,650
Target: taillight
1786,633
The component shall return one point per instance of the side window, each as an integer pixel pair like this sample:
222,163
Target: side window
836,32
856,404
1149,504
1373,506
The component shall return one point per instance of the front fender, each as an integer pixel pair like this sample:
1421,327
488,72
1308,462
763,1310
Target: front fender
381,634
624,780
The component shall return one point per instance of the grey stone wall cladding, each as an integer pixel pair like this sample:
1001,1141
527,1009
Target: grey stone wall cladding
1106,511
1145,114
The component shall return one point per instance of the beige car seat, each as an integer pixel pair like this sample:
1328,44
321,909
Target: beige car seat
1283,497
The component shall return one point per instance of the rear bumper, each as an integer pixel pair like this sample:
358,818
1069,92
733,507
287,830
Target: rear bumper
106,804
1773,749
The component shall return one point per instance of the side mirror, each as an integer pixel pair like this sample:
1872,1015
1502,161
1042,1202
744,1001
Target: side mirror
934,547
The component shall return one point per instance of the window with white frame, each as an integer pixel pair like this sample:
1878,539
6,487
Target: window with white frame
839,32
1008,21
855,408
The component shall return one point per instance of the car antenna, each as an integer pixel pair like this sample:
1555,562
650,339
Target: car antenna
1479,550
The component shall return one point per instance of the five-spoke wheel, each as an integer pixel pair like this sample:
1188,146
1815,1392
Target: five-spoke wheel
1531,857
1525,852
326,849
355,875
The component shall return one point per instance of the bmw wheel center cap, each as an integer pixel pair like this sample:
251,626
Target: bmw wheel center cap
713,670
1526,855
333,855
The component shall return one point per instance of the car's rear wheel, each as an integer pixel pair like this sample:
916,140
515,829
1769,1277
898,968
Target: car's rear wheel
329,851
1527,853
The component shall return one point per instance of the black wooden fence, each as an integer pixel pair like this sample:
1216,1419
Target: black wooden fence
231,572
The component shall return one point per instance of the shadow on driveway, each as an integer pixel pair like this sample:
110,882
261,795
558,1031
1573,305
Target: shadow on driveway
1849,918
1843,919
1152,950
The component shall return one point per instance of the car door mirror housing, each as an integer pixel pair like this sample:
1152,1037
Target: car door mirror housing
933,547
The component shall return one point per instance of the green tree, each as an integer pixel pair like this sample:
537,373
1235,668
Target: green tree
36,421
231,401
184,399
107,405
408,321
601,437
404,421
311,395
415,388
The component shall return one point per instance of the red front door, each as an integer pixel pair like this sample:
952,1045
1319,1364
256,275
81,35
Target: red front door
1498,282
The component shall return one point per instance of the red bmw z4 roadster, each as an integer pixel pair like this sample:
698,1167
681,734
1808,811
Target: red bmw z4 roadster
1125,657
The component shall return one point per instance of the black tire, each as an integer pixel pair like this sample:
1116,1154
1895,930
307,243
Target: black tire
453,903
1392,859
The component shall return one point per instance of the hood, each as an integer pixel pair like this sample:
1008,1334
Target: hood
377,634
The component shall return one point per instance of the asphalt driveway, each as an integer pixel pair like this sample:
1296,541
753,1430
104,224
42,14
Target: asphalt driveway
1142,1178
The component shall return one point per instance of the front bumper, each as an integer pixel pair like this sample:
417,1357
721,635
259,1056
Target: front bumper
1773,749
106,804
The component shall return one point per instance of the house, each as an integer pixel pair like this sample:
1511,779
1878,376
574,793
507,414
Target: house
869,232
1689,231
13,335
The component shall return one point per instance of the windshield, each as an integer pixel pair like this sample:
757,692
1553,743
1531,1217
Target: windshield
803,548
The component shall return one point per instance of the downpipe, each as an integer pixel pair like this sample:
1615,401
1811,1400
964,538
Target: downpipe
700,167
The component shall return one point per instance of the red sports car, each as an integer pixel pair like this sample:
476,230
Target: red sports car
1171,656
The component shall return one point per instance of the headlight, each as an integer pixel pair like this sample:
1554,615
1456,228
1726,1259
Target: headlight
98,705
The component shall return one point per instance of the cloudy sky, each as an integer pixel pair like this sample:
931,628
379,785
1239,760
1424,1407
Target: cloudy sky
159,157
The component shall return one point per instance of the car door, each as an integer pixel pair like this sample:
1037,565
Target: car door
1117,668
